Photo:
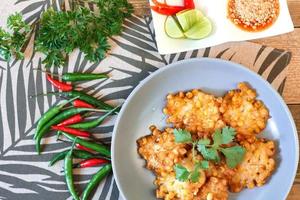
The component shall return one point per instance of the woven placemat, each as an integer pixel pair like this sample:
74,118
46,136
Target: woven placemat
25,175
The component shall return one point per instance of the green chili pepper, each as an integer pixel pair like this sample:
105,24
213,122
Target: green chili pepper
52,112
76,76
94,182
68,168
82,96
76,153
57,119
82,76
94,146
93,123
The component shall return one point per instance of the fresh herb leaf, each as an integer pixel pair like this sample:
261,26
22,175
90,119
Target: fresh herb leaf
234,155
228,134
217,138
209,153
204,141
182,174
5,52
11,42
204,164
16,23
224,137
195,174
182,136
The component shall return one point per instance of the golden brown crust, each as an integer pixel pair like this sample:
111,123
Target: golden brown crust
160,150
214,189
242,111
194,111
220,170
256,167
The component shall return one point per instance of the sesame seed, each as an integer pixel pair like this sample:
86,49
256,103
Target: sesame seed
253,14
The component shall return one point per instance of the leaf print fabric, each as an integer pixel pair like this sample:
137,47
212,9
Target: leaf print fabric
25,175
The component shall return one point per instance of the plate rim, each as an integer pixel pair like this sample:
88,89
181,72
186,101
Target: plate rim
181,62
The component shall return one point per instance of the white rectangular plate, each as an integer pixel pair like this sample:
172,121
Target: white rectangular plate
223,29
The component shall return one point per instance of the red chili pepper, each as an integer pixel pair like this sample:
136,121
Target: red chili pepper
79,146
72,120
72,131
189,4
90,163
157,3
59,85
167,10
81,104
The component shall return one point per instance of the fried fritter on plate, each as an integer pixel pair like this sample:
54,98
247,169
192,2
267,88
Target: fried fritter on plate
256,167
160,150
168,188
214,189
220,170
242,111
194,111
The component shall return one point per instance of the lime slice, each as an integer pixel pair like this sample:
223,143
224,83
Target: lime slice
199,30
188,18
172,28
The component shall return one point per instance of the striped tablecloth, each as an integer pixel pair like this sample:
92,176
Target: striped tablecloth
25,175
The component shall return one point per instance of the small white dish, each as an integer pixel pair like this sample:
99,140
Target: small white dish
223,29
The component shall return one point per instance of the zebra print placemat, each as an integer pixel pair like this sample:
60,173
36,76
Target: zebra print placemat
25,175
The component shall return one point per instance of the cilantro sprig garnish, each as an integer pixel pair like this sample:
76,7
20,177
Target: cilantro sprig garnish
182,173
233,155
210,150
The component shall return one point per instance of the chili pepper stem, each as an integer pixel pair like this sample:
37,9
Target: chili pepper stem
64,141
76,165
73,144
68,101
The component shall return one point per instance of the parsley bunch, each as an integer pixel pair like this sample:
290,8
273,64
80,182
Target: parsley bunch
210,151
63,31
11,43
60,32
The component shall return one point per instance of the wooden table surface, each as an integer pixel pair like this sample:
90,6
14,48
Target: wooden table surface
291,42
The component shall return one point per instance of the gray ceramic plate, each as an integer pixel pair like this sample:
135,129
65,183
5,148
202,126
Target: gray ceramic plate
144,108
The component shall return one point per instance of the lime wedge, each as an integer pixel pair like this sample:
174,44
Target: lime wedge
200,29
172,28
188,18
